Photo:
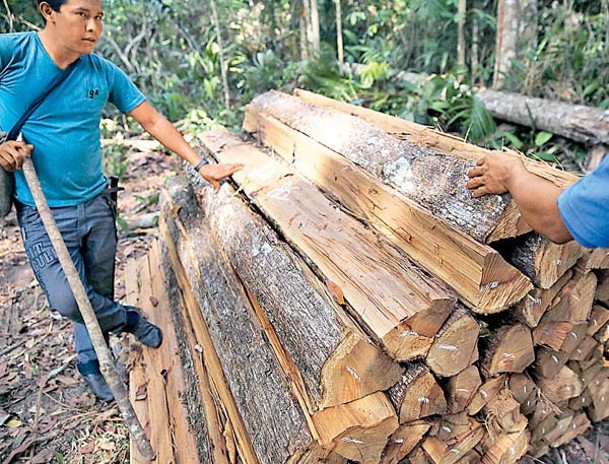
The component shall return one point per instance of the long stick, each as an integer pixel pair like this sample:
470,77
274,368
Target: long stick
86,310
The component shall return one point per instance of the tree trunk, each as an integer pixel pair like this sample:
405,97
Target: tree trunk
461,45
223,67
507,40
414,306
469,267
339,36
581,123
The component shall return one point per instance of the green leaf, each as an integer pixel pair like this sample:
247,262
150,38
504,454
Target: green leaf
513,139
544,155
542,138
60,458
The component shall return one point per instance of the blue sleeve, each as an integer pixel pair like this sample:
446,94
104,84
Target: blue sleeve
584,208
123,93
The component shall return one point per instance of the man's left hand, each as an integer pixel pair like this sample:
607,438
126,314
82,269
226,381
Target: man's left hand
214,173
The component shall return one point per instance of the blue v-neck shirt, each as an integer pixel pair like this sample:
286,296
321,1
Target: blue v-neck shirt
65,129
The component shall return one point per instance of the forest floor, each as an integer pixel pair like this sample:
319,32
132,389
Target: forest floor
47,414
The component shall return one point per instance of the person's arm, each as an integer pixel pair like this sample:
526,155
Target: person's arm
537,198
162,130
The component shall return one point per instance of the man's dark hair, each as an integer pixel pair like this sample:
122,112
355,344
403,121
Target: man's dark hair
55,4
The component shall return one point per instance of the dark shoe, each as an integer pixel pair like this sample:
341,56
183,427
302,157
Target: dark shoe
146,332
91,373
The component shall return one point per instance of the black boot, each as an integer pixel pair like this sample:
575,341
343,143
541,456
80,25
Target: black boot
91,373
146,332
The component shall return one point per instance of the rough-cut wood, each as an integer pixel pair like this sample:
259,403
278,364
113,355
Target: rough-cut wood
585,350
455,344
442,452
549,362
567,429
162,386
399,304
531,309
598,318
574,300
432,138
327,357
510,349
348,429
560,335
577,122
479,275
418,394
599,407
602,290
487,391
507,448
564,386
540,260
503,414
450,426
255,392
433,180
403,441
595,259
418,456
523,389
461,388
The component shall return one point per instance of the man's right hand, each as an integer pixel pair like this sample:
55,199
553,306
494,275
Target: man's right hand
12,154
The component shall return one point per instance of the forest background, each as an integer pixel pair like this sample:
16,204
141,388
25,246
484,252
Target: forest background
201,62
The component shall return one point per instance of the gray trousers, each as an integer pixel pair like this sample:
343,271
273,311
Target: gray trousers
89,232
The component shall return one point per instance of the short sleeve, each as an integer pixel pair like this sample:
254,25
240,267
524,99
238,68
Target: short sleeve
123,93
584,208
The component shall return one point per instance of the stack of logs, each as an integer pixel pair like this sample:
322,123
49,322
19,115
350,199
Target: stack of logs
348,300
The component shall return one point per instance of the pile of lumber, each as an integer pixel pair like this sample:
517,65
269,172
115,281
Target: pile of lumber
346,299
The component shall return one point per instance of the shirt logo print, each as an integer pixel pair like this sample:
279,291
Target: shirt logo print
93,93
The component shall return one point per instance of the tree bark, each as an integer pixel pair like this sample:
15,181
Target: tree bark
339,36
223,67
461,45
507,40
478,273
413,307
581,123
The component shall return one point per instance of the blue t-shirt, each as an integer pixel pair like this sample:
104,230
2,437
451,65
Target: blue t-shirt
64,129
584,208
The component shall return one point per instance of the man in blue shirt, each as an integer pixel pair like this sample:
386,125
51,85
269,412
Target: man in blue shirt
63,138
580,212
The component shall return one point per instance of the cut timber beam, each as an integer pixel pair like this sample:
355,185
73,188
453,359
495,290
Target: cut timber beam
455,346
532,308
418,394
329,359
431,138
435,181
539,259
479,275
442,452
401,306
347,429
248,377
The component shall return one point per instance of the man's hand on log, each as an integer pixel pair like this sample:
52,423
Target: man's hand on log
215,173
494,174
12,154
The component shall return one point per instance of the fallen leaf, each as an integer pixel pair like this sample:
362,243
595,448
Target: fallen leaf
4,416
14,423
44,456
87,449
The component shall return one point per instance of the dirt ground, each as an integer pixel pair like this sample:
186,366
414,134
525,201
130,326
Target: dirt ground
47,415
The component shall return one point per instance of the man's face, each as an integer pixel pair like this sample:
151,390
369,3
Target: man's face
78,25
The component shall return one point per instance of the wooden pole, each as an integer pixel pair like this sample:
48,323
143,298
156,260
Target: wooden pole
86,310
